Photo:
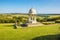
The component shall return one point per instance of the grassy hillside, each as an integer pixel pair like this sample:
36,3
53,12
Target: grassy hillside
7,32
45,32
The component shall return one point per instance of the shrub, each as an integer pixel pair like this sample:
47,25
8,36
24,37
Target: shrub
40,19
46,23
57,21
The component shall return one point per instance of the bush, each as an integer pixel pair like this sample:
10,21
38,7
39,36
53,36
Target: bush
46,23
40,19
57,21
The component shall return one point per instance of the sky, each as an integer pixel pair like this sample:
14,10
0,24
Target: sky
23,6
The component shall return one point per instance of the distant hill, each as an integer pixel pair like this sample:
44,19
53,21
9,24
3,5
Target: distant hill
27,14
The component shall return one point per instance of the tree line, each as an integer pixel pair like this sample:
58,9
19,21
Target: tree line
22,19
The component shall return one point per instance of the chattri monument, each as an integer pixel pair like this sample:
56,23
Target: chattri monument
32,16
32,19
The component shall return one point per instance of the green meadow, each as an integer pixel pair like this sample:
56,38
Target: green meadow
45,32
49,31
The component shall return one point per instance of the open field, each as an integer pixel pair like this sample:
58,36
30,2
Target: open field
45,32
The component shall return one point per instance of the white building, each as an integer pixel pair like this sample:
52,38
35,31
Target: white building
32,16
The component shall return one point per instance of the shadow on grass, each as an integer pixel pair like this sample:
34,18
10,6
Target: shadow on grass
48,37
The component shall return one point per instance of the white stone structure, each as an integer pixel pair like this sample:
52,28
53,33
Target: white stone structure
32,16
32,19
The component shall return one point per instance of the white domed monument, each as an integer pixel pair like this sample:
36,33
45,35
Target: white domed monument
32,19
32,15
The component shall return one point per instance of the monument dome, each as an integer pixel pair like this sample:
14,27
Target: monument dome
32,11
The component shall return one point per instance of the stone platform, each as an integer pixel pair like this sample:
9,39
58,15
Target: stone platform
31,24
34,24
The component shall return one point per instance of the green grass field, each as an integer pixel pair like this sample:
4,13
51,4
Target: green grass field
45,32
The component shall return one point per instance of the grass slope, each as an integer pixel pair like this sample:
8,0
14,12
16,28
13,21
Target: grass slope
8,33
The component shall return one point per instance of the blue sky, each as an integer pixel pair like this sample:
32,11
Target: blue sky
23,6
